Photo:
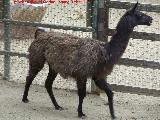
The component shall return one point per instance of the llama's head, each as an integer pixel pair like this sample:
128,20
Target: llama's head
135,17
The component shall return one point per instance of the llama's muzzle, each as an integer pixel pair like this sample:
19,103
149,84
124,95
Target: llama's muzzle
150,21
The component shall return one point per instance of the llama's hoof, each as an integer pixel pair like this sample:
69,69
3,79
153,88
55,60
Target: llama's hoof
114,117
81,115
25,100
59,108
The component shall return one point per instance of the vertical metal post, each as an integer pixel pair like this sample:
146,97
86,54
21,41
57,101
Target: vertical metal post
95,18
1,8
7,39
100,21
89,13
94,34
106,19
100,24
103,20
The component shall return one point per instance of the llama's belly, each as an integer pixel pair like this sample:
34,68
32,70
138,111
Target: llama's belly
70,68
63,61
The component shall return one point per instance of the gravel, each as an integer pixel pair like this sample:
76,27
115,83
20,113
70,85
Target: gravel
127,106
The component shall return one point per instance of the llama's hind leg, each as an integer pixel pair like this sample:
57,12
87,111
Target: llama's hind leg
48,85
102,84
33,71
81,85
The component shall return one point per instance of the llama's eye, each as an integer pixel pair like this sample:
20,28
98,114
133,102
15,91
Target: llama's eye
139,15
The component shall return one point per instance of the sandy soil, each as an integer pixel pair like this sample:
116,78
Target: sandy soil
127,106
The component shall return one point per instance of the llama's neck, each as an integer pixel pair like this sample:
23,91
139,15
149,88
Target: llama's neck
120,39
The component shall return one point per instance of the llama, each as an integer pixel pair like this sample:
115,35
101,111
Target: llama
81,58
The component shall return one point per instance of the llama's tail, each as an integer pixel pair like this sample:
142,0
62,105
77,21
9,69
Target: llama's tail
38,31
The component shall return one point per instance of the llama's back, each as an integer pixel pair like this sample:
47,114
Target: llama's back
42,40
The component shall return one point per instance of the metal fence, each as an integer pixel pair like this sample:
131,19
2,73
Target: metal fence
19,24
146,59
139,69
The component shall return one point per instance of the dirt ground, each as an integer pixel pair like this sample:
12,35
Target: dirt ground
127,106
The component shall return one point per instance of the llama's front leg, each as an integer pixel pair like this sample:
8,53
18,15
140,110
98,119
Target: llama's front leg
81,85
102,84
48,84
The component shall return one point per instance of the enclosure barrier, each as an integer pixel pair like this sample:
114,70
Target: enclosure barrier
137,35
7,39
100,29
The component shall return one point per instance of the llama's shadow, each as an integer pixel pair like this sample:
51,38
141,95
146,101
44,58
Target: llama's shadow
49,112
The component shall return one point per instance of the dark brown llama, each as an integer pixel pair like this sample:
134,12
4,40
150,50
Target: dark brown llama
81,58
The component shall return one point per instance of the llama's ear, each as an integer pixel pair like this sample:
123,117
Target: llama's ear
134,8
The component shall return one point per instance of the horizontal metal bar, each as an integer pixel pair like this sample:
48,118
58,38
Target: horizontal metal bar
139,63
37,24
141,7
140,35
3,52
135,90
146,36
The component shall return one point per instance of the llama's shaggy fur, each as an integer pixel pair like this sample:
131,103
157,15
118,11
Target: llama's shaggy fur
81,58
69,55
